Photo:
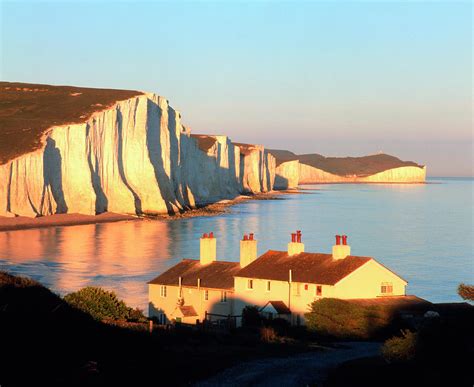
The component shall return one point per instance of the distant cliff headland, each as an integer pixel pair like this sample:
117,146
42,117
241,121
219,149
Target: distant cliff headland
292,169
81,150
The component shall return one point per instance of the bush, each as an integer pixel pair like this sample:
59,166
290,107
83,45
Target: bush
466,292
400,349
102,305
251,317
343,320
268,335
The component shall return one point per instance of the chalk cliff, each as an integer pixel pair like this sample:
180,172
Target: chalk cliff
67,149
132,157
293,169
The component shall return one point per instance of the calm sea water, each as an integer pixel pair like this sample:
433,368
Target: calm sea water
423,232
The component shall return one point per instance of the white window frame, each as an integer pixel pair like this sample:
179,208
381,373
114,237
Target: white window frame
163,291
297,289
223,297
388,286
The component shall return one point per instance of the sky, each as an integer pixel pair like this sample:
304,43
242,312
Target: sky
336,78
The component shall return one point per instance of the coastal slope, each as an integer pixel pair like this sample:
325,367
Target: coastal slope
127,153
292,169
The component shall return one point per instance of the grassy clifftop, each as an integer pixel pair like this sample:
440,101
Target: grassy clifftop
27,110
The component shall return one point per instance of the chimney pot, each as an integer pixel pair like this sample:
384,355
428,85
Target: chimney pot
293,237
298,236
341,251
248,250
207,249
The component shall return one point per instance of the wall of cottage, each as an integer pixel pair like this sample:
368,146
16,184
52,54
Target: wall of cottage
301,296
366,282
192,296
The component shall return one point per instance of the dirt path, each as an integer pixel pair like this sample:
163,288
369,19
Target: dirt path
299,370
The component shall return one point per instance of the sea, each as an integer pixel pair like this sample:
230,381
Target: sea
423,232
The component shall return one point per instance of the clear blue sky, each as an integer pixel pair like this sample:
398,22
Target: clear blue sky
337,78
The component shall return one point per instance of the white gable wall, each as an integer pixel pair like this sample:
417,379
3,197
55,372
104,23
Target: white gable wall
366,282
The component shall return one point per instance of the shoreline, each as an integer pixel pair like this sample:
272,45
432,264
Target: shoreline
210,209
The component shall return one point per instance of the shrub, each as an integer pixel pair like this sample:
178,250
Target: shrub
342,319
400,349
466,292
102,305
251,317
268,335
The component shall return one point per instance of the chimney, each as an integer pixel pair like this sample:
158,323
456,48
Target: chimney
341,251
248,250
295,246
207,249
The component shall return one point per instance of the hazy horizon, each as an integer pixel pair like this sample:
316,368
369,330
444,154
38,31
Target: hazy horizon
339,79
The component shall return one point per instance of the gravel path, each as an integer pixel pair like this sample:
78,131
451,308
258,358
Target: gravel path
300,370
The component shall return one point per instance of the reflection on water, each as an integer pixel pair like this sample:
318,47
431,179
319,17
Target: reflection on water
424,232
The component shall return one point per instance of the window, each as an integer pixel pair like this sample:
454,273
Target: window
249,284
386,288
297,289
223,296
163,291
306,286
206,295
319,290
269,286
162,319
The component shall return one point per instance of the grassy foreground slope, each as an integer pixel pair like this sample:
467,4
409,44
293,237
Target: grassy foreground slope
44,341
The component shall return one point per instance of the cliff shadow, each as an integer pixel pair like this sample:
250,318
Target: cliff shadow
177,150
101,201
52,176
154,147
138,202
281,182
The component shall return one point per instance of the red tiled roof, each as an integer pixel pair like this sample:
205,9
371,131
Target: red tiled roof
215,275
305,267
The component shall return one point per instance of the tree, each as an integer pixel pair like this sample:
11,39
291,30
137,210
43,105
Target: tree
102,304
466,292
251,317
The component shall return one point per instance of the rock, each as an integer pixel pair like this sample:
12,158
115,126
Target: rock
134,157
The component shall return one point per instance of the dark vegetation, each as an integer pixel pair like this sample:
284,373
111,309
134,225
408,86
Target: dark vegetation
46,342
360,166
28,110
436,351
466,292
103,305
353,320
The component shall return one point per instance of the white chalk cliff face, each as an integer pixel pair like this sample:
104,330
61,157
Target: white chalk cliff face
287,175
133,158
291,173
